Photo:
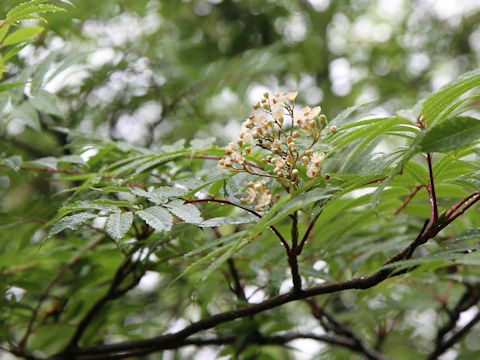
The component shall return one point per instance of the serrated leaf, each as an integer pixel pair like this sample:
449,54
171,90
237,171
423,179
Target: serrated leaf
234,220
220,254
187,212
161,194
72,222
221,259
441,100
451,134
345,114
27,11
216,243
105,205
293,202
22,35
25,6
157,217
118,224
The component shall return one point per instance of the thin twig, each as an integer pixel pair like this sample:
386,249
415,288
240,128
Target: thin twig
307,233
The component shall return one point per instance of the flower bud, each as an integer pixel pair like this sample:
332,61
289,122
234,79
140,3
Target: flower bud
294,172
323,120
266,95
332,129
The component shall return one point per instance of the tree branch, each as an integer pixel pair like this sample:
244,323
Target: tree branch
293,253
446,335
364,282
258,339
307,233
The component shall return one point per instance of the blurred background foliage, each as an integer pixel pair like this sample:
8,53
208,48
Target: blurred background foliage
146,71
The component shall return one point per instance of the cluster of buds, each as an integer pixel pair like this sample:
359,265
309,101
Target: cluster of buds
279,131
259,193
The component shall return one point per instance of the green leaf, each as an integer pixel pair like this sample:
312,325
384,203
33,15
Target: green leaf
220,254
72,222
221,259
118,224
187,212
234,220
451,134
28,10
26,114
13,51
46,102
216,243
104,205
4,27
23,7
22,35
292,203
157,217
8,86
159,195
441,100
344,116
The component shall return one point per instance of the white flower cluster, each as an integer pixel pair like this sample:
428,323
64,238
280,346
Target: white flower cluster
275,127
259,193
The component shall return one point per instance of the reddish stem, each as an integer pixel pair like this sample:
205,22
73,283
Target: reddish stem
458,205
